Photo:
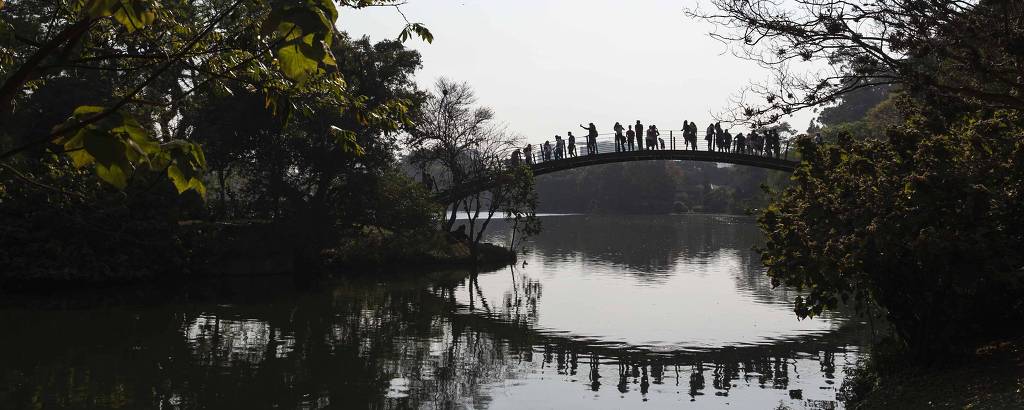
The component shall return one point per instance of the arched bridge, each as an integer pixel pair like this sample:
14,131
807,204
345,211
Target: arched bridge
607,153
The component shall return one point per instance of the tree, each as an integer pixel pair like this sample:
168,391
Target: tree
926,227
449,129
963,49
460,141
155,56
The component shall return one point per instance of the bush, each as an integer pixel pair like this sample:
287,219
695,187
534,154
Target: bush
927,226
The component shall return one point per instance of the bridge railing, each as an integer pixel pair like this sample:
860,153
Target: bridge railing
670,141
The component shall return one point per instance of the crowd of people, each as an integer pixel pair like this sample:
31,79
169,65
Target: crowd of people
637,138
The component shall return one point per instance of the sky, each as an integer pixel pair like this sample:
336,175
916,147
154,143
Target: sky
546,66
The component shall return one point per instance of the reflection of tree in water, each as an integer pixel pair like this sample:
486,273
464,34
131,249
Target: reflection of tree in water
520,303
354,347
359,345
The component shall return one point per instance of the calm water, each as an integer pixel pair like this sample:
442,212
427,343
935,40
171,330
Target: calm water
606,312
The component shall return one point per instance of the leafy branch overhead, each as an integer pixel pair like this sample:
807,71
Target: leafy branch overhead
161,55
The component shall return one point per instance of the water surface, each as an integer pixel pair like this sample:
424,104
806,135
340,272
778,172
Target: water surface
606,312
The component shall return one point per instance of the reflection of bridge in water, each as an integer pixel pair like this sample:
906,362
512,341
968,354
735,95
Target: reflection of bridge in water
608,153
768,365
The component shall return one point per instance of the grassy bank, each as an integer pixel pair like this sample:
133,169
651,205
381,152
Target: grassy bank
992,377
380,250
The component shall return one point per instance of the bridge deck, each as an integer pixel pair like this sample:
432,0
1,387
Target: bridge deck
607,155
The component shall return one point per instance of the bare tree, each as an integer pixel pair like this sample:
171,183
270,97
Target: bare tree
961,48
459,141
451,135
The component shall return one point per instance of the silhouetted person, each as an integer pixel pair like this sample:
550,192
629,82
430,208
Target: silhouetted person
547,150
718,136
630,134
727,140
709,136
652,137
686,134
741,144
559,147
517,157
639,130
693,135
572,145
620,139
591,138
528,153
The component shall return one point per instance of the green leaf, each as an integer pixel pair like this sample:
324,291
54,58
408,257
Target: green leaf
296,64
104,147
419,30
114,174
132,14
177,178
347,141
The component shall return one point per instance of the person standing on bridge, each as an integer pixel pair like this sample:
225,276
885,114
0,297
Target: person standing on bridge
591,138
652,137
718,136
693,135
528,153
546,151
727,139
688,140
620,140
559,147
709,136
639,135
630,134
517,158
572,145
741,144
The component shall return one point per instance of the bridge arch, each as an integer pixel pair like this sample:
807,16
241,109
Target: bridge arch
552,166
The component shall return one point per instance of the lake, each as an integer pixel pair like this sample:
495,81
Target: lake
668,311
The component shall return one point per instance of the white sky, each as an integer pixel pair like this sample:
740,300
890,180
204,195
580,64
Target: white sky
547,66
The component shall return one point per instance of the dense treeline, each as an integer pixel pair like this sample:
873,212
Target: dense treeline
912,207
146,139
657,187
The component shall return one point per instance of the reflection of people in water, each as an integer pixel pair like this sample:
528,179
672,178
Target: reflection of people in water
595,373
697,380
623,378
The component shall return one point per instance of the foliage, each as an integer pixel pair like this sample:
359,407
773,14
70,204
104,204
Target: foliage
925,224
293,118
73,228
459,143
969,50
150,59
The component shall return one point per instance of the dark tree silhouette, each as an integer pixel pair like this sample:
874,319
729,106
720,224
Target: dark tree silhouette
965,49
